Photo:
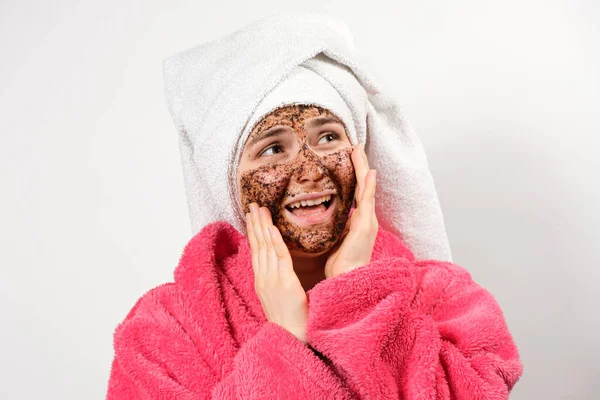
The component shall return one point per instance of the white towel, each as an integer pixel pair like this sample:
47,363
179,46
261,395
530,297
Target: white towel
214,90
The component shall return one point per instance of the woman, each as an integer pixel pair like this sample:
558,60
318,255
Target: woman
287,290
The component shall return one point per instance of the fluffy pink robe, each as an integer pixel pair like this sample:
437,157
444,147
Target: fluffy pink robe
393,329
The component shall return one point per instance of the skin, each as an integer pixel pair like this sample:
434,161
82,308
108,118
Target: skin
305,158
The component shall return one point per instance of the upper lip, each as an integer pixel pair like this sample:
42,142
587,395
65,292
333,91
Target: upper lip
308,196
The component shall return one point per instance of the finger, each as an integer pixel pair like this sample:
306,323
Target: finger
360,169
260,240
335,250
346,228
281,257
344,232
279,246
266,220
368,198
365,167
365,158
253,244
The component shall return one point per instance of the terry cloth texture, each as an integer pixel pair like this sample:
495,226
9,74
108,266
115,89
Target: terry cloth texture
396,328
214,90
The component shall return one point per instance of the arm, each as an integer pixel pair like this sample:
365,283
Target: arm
414,330
155,358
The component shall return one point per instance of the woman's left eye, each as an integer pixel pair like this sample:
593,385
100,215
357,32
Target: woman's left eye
328,137
272,150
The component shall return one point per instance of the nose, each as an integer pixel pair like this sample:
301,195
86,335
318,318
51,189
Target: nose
308,166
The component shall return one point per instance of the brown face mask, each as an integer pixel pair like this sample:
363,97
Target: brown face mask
271,184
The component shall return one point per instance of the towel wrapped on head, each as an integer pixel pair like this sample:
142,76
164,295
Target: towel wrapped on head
218,91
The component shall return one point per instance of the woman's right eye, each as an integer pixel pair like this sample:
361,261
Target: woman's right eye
271,150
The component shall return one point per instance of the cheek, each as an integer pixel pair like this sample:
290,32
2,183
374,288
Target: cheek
340,166
265,186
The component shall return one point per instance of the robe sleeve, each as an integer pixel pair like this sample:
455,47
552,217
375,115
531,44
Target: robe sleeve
155,358
396,328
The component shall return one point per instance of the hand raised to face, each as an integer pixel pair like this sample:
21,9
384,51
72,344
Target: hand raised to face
277,286
356,247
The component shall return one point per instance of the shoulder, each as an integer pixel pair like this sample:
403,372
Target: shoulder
151,321
150,307
390,245
207,250
195,291
156,338
445,273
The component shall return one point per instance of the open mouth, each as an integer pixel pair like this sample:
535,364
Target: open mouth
313,211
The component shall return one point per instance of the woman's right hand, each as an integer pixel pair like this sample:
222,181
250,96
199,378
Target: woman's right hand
278,288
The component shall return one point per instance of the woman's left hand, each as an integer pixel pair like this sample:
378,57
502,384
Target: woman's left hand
356,247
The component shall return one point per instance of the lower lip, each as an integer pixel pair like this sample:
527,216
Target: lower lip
317,218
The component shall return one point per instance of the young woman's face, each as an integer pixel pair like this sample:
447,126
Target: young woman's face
296,162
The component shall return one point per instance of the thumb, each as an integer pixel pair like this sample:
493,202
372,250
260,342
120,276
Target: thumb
347,226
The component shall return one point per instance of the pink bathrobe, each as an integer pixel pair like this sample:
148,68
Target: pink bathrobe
393,329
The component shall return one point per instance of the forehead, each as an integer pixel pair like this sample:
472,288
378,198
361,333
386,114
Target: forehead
292,115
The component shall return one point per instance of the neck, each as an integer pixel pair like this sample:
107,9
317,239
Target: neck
310,270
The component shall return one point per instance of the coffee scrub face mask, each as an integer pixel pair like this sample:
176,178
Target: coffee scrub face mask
296,162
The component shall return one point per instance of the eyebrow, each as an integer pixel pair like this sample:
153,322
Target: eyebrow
275,131
320,121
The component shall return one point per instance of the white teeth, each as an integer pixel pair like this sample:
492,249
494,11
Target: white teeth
312,202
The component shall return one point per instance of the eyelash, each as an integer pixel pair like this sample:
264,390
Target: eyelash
334,136
273,146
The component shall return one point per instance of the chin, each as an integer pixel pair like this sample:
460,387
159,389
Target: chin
309,250
311,242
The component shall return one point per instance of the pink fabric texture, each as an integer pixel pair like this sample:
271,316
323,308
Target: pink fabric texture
395,328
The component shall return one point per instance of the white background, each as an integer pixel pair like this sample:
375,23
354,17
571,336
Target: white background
504,95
